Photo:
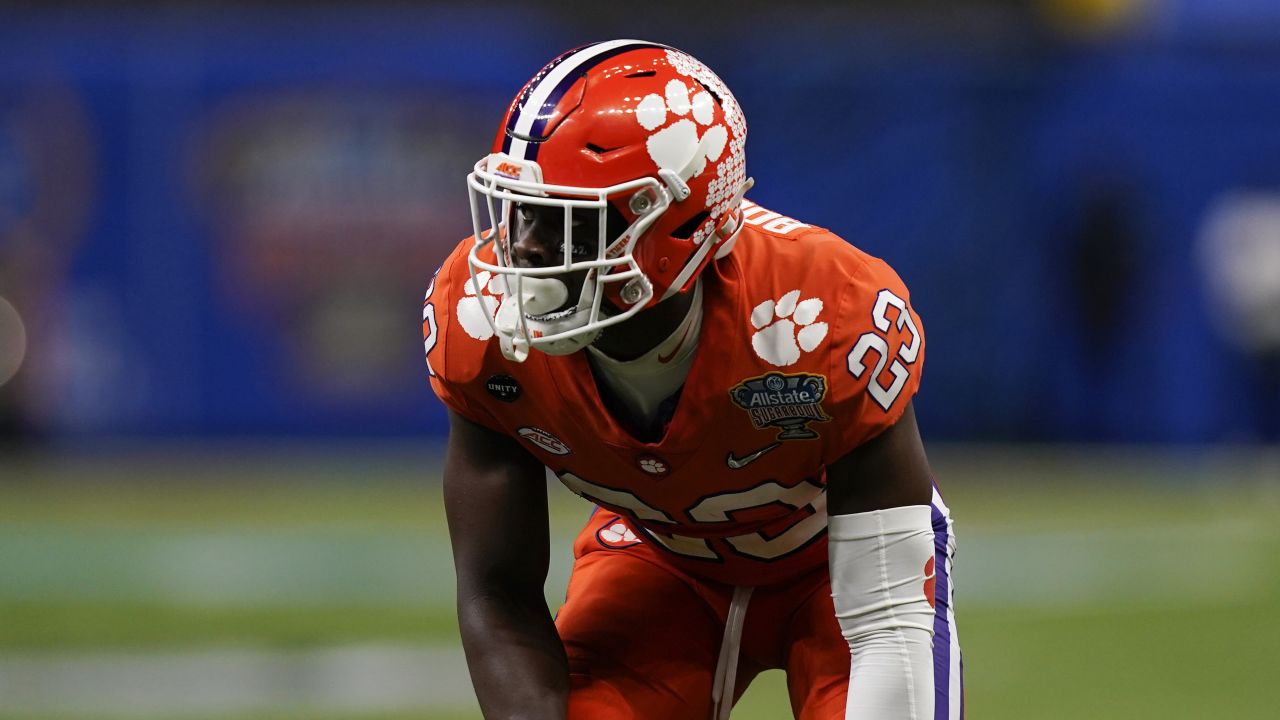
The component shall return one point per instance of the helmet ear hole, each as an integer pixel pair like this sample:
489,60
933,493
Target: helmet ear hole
686,229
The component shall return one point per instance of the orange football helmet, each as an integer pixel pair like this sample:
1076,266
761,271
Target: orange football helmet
635,126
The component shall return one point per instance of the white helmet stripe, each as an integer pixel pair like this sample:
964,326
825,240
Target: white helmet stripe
531,109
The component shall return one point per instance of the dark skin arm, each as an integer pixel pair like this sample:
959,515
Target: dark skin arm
496,503
890,470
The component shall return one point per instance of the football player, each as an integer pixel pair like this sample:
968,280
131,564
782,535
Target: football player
730,387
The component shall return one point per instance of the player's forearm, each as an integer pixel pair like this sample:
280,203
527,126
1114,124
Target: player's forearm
892,671
881,580
515,657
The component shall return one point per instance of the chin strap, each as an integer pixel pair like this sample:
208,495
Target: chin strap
728,231
679,188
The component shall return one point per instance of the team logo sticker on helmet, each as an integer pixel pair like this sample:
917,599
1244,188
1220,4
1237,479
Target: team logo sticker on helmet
786,402
503,387
690,140
730,171
508,169
615,534
544,440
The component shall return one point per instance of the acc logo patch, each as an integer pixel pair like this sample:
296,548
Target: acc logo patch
544,440
503,387
507,170
617,535
787,402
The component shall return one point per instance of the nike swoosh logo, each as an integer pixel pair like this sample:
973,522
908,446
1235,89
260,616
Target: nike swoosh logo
739,463
667,358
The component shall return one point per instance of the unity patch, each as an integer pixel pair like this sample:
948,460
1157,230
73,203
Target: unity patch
503,387
786,402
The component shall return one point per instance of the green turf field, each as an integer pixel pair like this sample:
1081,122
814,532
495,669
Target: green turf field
1090,584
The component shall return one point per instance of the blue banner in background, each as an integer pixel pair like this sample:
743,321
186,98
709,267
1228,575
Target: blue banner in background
223,223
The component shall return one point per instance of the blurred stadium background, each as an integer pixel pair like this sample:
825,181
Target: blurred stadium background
219,456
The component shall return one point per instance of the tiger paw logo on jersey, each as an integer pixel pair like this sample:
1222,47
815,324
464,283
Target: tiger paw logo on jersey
617,535
653,464
479,304
787,328
787,402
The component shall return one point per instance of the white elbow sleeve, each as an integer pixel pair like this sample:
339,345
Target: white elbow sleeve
882,579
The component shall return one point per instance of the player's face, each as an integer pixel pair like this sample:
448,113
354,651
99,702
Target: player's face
538,240
538,233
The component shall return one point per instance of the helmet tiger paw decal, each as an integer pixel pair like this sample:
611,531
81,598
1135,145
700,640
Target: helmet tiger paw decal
476,308
786,328
732,170
682,145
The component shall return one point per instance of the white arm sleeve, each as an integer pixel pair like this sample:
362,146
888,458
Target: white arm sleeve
881,563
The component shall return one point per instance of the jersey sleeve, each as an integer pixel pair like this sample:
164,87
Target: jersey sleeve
877,356
453,361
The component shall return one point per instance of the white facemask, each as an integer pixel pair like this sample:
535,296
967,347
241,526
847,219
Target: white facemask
538,296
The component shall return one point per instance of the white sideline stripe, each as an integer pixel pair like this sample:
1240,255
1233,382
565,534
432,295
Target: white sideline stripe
235,567
1194,562
331,681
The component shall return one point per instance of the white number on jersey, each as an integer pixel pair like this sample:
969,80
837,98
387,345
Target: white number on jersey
810,495
884,396
807,498
429,328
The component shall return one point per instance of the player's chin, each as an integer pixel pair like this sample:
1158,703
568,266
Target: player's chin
557,314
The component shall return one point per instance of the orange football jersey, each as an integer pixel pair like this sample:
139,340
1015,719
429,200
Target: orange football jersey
809,347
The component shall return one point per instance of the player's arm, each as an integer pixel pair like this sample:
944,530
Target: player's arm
881,547
496,503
